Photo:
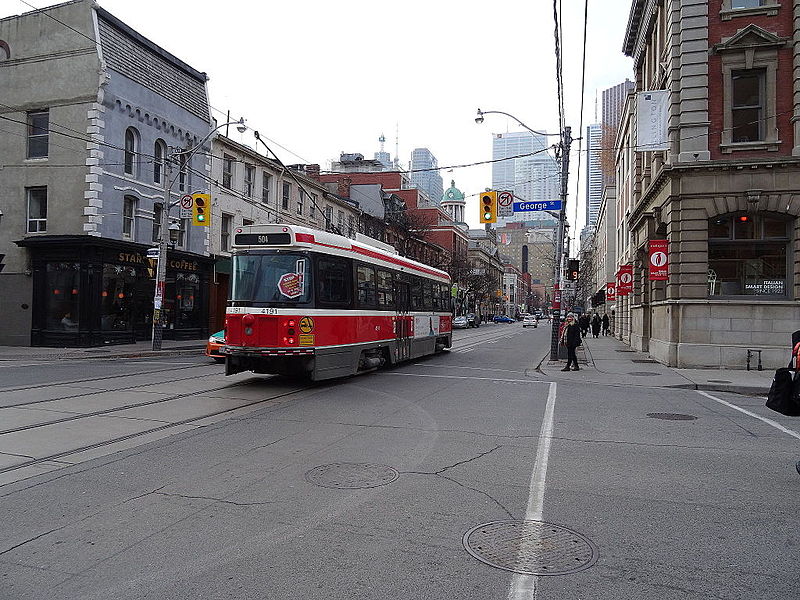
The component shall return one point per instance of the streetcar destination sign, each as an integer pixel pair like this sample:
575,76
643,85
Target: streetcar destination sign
540,205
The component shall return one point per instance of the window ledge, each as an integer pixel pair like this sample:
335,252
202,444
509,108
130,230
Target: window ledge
770,146
770,10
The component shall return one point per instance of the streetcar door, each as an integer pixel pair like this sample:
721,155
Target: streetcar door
402,326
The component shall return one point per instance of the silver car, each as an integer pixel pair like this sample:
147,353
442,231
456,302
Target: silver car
530,321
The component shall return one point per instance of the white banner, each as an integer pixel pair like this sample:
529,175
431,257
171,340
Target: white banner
652,115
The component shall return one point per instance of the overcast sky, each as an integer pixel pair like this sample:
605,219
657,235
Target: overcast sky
321,77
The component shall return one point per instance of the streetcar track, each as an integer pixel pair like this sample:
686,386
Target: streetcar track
74,381
56,456
99,391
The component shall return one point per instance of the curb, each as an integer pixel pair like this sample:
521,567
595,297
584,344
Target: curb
131,354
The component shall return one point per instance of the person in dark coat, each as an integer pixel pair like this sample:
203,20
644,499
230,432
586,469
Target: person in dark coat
596,325
571,338
606,323
583,323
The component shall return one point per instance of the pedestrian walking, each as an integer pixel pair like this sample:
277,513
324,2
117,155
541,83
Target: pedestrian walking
606,323
596,325
571,338
583,323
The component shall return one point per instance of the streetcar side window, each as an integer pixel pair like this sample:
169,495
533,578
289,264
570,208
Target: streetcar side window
437,297
445,297
334,281
366,288
385,293
416,294
427,290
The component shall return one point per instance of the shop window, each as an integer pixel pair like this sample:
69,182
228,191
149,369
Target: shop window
62,300
749,255
129,217
131,143
117,297
159,155
37,209
187,300
366,286
38,133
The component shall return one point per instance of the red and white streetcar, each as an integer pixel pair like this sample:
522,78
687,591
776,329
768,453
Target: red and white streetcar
307,302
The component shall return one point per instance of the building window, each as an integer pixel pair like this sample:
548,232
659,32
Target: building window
287,192
249,180
227,171
246,222
340,221
747,3
38,133
130,151
328,216
158,212
159,154
300,198
128,216
225,233
351,226
182,174
182,225
747,106
37,209
749,255
312,204
266,179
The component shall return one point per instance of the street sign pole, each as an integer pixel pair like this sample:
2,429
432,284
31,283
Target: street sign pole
566,142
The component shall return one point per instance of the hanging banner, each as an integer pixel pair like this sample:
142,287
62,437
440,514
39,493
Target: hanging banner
625,280
659,260
652,114
611,292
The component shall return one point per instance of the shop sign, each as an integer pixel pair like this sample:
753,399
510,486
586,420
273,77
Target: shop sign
611,292
659,260
625,280
770,287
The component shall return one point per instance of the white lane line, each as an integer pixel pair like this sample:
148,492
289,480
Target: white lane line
774,424
464,377
469,368
523,587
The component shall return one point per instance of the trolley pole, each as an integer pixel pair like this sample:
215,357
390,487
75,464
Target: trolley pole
558,287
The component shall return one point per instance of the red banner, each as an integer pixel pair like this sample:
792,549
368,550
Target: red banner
625,280
659,260
611,291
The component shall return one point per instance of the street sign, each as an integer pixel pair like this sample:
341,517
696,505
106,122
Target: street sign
537,205
187,201
186,213
659,260
152,253
505,198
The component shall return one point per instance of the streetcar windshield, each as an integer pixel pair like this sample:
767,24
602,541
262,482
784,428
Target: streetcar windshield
271,278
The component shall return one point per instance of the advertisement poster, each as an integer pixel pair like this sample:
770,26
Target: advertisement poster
659,260
652,114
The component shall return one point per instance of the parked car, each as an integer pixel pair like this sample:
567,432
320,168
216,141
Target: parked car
473,320
530,321
460,322
213,345
503,319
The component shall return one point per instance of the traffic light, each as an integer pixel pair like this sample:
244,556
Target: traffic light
488,206
201,209
572,269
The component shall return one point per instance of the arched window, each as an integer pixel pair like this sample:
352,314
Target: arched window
159,154
749,255
5,51
131,143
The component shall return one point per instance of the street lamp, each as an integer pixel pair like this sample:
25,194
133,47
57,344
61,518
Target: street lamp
479,120
167,231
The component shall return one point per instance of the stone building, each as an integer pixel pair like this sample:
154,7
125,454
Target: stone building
92,111
726,194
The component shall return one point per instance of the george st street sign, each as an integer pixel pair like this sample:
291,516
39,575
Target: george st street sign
537,205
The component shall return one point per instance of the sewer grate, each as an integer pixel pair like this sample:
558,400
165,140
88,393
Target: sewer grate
530,547
649,361
672,416
643,373
351,476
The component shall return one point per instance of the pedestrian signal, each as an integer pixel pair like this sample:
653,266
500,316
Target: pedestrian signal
488,207
572,269
201,209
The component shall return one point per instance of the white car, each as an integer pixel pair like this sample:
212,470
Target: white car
530,320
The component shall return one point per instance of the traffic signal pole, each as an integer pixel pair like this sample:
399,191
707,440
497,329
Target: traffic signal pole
558,287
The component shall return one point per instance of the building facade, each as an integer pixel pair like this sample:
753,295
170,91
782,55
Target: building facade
424,173
726,192
594,172
613,102
97,148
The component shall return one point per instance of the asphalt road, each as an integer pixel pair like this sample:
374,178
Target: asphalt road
118,484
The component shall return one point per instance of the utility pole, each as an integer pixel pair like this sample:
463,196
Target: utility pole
558,287
161,265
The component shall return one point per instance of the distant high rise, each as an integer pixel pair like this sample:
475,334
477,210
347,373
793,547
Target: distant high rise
613,103
594,173
424,175
382,156
533,177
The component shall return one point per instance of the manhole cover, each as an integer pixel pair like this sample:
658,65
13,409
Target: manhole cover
351,476
530,547
719,381
644,360
643,373
672,416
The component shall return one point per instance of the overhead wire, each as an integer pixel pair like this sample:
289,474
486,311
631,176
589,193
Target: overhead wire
580,126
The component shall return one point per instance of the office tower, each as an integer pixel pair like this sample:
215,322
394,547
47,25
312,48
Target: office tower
424,175
613,103
594,173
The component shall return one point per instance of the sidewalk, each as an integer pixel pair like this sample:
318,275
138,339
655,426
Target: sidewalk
609,361
140,349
